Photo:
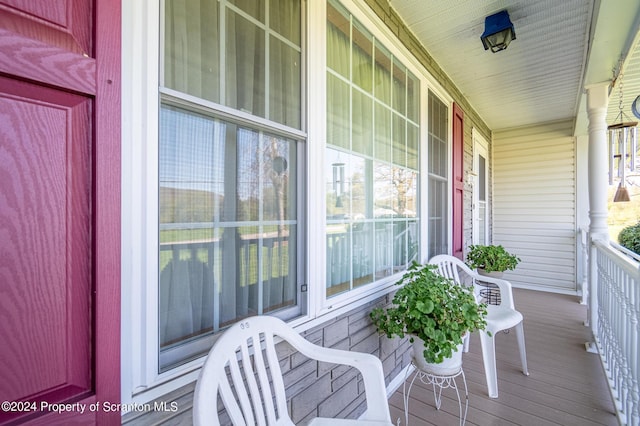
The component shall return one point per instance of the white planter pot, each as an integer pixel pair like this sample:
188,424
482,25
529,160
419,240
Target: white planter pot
448,367
493,274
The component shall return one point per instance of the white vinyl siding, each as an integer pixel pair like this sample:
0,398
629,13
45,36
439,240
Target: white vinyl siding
534,204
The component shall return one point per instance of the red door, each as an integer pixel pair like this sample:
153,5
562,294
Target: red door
59,210
458,181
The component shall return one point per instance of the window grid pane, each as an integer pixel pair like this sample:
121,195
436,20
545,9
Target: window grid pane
254,67
228,226
371,159
191,60
438,184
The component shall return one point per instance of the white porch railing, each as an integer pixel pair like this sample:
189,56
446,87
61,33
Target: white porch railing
615,314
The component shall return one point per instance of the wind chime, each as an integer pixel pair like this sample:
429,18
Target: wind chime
338,182
623,145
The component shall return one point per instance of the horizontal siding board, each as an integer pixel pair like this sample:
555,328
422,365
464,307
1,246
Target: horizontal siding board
535,230
542,275
539,143
534,204
548,218
551,173
564,277
525,198
534,213
545,265
543,260
548,170
535,239
514,187
535,189
538,151
545,285
559,194
557,162
554,249
551,130
560,281
514,192
512,227
542,257
524,147
542,270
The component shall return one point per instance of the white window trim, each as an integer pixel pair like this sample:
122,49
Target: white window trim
140,70
479,143
140,380
317,137
450,178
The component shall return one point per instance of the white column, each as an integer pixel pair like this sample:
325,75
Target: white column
597,100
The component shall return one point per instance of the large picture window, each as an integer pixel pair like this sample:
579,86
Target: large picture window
372,166
229,148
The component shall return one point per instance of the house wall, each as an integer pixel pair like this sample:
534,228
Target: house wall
534,204
313,388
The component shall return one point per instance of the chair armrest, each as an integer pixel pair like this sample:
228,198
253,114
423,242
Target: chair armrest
506,294
369,366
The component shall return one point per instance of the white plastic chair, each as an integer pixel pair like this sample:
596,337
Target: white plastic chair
502,316
250,382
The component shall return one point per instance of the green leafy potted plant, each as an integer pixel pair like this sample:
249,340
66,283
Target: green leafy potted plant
491,258
436,313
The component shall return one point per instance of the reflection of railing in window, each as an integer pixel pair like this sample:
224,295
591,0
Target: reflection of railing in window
261,279
379,249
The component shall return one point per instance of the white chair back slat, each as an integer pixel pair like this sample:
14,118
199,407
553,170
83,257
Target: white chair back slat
265,395
237,378
230,403
274,369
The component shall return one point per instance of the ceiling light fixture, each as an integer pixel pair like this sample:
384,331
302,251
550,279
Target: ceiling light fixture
498,32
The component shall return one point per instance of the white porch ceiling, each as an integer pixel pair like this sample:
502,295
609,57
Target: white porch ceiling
560,46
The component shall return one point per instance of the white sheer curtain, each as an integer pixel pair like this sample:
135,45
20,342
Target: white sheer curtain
285,57
191,48
245,65
262,65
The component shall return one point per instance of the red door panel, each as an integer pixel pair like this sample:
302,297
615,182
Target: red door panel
59,207
64,24
46,253
458,181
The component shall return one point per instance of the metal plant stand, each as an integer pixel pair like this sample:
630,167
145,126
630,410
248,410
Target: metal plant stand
439,383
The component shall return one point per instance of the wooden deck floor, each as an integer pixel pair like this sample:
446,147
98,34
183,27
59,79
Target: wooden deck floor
566,385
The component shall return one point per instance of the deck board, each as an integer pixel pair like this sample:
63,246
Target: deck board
566,385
